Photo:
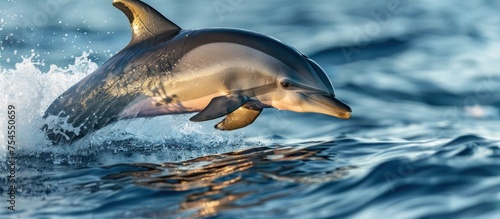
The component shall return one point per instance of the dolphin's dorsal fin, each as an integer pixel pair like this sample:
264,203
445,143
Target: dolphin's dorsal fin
145,21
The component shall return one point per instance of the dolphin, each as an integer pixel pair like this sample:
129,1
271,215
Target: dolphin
213,71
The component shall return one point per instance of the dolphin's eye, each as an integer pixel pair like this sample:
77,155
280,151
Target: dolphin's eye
285,84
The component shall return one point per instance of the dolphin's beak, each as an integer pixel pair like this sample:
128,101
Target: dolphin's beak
326,104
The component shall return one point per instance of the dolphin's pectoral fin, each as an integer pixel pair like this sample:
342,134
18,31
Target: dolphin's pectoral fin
239,118
145,21
219,107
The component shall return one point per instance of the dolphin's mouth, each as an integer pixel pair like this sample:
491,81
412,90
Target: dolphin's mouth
335,107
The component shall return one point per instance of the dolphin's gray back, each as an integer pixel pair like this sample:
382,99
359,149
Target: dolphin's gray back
268,45
260,42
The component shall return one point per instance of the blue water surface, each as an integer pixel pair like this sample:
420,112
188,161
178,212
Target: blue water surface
421,77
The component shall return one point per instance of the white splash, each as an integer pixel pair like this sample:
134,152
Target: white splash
30,91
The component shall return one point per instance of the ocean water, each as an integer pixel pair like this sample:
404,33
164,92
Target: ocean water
421,77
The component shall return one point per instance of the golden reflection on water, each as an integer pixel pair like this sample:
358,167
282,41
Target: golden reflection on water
209,176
